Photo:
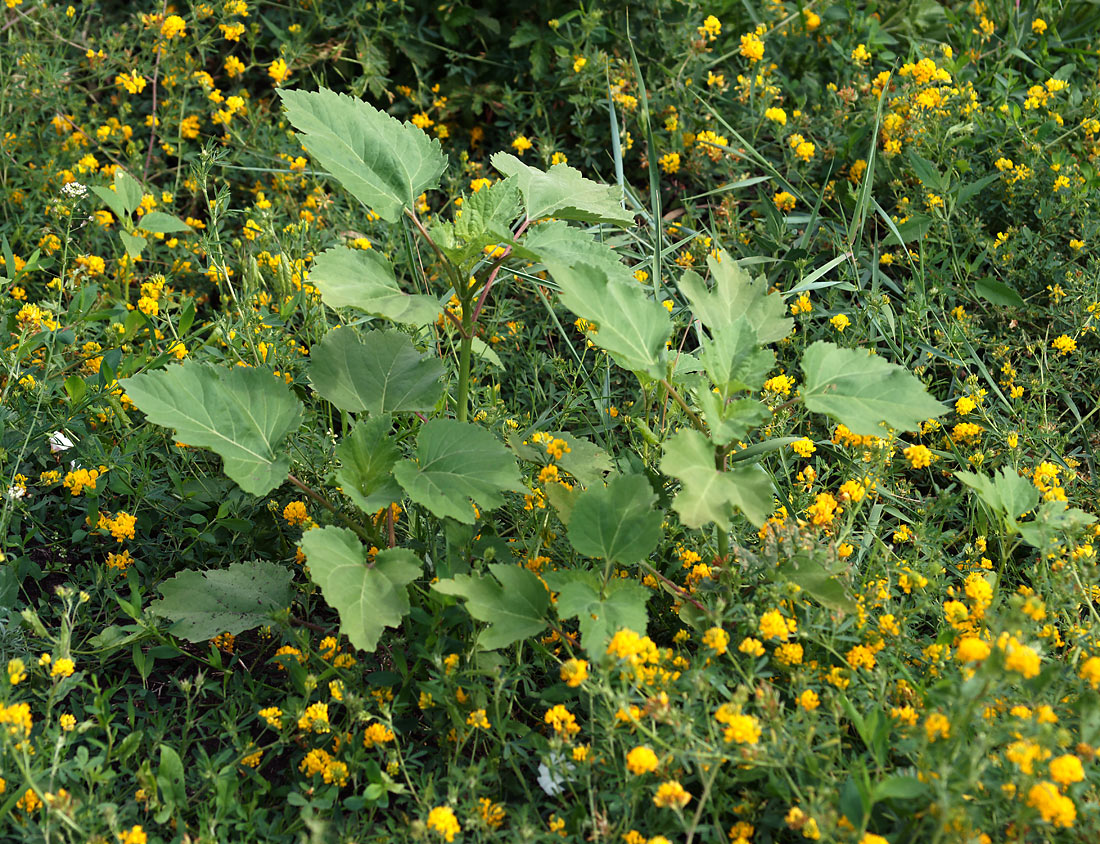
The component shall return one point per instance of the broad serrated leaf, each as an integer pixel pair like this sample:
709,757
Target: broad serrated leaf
707,495
1053,524
365,280
633,327
1007,494
862,390
369,596
381,373
458,465
382,162
490,211
732,358
205,604
736,294
563,192
558,241
584,460
367,456
514,608
159,222
618,522
602,612
241,413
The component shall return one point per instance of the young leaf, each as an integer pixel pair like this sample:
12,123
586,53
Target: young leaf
729,420
1007,494
241,413
205,604
707,495
364,279
367,456
732,358
515,608
563,192
621,605
458,466
381,373
632,326
369,596
616,522
863,390
129,191
490,211
383,163
736,294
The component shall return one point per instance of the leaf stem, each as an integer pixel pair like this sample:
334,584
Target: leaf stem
360,531
496,269
695,420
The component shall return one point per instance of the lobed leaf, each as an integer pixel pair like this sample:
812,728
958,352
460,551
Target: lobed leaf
365,280
242,414
514,608
617,522
379,160
563,192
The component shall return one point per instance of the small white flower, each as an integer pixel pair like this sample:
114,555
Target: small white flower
16,492
74,190
59,442
551,781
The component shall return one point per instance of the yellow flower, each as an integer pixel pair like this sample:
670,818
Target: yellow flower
776,115
670,162
64,667
860,55
278,71
641,760
1038,26
803,447
784,201
1054,808
521,144
315,719
442,821
17,671
671,795
752,48
717,640
134,835
937,726
972,649
809,700
574,672
273,716
1064,344
1066,769
378,733
711,28
919,456
578,63
477,720
840,322
774,626
173,27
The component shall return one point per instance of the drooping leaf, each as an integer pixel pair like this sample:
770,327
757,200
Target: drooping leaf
863,390
736,294
563,192
383,163
241,413
1007,494
707,495
618,522
601,612
558,241
159,222
369,596
381,373
458,465
632,327
364,279
367,456
515,607
205,604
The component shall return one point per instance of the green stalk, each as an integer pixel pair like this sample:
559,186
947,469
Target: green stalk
464,350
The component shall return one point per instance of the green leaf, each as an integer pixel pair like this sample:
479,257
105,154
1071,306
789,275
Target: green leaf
863,390
369,597
729,421
484,351
563,192
490,211
515,608
818,583
566,244
159,222
170,779
129,192
1007,494
733,360
381,373
899,788
632,326
364,279
617,522
205,604
458,465
383,163
585,461
367,456
241,413
601,612
1054,522
998,293
707,495
132,243
736,294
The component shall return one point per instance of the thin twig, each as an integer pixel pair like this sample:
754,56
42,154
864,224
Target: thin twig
332,508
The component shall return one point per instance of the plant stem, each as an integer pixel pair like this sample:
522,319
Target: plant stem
464,349
695,420
360,531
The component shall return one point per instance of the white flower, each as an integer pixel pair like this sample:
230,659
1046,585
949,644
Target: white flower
74,190
551,781
16,492
59,442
